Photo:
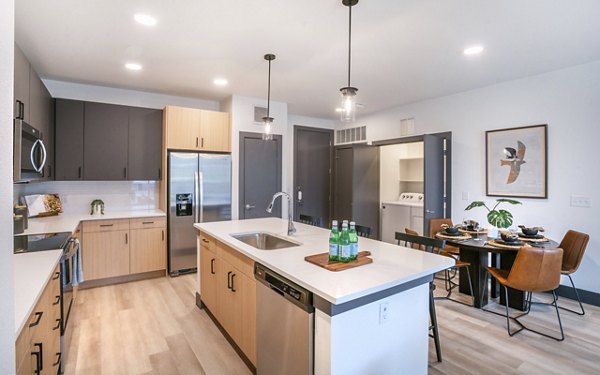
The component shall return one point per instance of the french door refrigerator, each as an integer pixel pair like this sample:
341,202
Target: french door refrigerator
199,190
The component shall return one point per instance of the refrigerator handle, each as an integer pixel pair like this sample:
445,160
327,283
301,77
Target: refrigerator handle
196,200
201,205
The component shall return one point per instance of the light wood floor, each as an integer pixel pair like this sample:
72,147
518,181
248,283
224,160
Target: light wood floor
154,327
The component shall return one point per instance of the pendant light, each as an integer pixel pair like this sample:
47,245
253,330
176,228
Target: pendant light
268,120
348,112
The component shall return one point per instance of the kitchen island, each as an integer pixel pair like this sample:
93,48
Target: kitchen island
369,319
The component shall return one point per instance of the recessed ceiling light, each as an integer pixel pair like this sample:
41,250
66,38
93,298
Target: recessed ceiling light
220,82
145,19
473,50
339,109
133,66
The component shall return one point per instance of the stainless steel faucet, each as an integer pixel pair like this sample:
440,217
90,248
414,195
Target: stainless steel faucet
291,228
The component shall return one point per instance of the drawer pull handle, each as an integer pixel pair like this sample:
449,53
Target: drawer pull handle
232,286
212,266
163,234
147,222
56,301
38,315
39,358
57,325
205,240
106,225
58,358
56,275
126,238
229,280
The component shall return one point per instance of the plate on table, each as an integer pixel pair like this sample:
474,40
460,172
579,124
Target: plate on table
451,234
513,243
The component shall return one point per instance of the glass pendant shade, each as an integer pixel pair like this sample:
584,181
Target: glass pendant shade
348,112
267,134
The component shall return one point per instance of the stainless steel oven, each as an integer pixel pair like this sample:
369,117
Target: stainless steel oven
29,152
66,291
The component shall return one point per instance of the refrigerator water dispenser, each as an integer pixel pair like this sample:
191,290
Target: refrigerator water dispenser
183,205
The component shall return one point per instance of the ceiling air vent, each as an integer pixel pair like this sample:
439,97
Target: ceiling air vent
259,113
351,135
407,126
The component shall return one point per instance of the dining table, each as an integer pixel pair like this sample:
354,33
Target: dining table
475,248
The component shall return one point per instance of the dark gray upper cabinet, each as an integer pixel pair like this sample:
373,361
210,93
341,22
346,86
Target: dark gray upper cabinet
145,144
21,85
105,142
69,140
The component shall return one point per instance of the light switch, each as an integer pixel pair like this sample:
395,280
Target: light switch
465,195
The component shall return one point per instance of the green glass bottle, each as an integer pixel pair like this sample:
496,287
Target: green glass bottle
344,244
334,242
353,241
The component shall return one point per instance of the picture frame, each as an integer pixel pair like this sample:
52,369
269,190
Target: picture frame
517,162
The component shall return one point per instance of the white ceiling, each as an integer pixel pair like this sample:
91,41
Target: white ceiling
403,51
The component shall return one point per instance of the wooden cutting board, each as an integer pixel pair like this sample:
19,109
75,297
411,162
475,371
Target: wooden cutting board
322,260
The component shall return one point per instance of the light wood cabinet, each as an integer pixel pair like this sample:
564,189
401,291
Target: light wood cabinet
112,248
197,129
37,347
228,289
147,250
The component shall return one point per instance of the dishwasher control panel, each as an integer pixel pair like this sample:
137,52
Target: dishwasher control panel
287,289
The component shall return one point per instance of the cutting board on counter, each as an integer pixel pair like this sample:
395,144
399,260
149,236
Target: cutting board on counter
322,260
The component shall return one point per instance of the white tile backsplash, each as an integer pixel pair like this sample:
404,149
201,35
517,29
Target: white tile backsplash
76,196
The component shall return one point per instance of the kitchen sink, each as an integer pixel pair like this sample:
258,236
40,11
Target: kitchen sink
264,241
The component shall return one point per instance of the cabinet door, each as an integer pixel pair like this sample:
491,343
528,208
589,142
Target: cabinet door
145,144
183,128
247,316
69,140
228,299
105,142
215,131
105,254
48,119
208,280
147,250
21,84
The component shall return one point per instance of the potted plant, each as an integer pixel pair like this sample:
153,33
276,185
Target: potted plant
497,218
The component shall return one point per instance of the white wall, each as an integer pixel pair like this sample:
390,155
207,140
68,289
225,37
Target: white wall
568,101
102,94
7,322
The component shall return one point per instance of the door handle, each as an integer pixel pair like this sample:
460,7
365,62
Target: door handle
232,286
430,211
229,279
212,266
249,207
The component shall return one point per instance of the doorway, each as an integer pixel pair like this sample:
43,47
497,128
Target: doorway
312,172
260,175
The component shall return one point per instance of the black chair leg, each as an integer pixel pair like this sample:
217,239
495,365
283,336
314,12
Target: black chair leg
578,300
434,326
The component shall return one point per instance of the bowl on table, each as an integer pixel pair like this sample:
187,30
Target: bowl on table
471,225
529,231
508,237
451,230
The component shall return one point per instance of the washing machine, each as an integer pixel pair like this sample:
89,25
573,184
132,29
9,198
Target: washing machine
406,212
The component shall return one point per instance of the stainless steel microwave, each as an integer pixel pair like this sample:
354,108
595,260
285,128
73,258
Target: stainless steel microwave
29,153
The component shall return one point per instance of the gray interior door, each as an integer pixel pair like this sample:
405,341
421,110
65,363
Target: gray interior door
260,175
312,172
344,161
434,179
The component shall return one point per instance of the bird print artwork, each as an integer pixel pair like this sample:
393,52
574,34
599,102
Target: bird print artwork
514,159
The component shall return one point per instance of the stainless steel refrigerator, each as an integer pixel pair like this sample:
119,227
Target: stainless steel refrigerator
199,190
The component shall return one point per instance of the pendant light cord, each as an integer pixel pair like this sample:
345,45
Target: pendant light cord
269,92
349,40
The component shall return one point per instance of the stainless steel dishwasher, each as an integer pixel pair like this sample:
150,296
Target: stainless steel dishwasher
284,325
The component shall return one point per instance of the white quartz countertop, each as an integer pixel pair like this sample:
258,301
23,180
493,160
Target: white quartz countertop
392,265
67,222
31,273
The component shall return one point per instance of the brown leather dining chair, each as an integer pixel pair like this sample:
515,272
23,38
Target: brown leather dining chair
573,244
435,225
534,270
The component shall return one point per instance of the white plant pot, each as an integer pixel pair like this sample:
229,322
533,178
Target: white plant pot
493,232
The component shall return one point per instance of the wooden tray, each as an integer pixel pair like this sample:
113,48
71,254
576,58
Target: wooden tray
322,260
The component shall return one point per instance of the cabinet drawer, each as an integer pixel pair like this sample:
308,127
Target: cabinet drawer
148,222
207,242
105,225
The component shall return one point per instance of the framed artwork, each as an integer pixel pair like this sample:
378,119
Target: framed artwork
517,162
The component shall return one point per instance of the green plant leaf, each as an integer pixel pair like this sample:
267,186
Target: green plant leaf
500,218
511,201
475,204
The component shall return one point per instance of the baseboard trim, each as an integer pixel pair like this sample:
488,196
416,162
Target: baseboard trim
591,298
237,349
121,279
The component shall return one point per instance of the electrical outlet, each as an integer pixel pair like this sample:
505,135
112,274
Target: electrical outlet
581,201
384,312
465,195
